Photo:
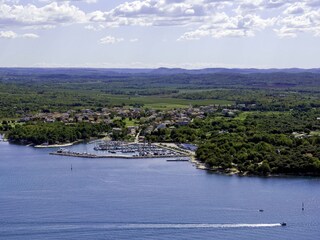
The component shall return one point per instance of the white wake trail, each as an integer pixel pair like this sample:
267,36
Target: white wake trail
187,226
128,226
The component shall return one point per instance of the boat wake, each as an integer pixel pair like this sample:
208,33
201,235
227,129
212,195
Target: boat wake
186,226
128,226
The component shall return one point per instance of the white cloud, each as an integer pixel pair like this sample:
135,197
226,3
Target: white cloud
8,34
298,18
224,26
86,1
30,35
200,18
110,40
31,15
13,35
151,13
286,33
296,8
215,18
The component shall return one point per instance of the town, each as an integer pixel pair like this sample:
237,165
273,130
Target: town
138,121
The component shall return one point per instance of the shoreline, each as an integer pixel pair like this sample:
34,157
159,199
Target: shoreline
202,166
57,145
172,146
67,144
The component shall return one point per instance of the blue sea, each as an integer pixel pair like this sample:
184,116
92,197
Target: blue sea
42,198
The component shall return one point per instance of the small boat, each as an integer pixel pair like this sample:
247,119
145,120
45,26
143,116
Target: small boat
261,210
283,224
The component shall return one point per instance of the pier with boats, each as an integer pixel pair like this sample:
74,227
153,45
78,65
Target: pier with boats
115,149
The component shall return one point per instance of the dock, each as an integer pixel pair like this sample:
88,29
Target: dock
137,149
74,154
2,139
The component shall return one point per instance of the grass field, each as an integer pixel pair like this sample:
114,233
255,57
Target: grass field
130,122
242,116
162,103
315,133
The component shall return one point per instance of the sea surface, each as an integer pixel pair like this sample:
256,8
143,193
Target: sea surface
42,198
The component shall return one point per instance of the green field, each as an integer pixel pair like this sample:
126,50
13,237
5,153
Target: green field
162,103
242,116
131,122
315,133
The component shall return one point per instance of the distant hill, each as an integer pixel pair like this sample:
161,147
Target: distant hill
157,71
173,78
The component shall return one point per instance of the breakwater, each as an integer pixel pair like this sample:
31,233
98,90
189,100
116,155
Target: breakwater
179,160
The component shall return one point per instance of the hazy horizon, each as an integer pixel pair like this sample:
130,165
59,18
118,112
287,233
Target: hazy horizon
161,67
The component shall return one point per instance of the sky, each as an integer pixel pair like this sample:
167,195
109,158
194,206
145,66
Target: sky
164,33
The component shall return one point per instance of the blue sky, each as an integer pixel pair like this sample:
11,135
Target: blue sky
162,33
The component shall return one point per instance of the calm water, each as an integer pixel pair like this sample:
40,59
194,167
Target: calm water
41,198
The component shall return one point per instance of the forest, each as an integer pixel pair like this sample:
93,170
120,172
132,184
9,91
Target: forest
55,133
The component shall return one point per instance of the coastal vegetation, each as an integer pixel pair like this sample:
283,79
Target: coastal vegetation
260,143
264,144
55,133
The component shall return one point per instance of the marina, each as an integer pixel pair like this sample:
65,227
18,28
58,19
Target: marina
136,149
114,149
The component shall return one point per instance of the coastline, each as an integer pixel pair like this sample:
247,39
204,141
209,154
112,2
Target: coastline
172,146
57,145
68,144
234,172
